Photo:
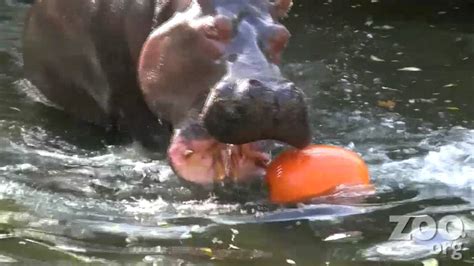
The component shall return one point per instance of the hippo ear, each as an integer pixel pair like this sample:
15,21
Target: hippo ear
280,8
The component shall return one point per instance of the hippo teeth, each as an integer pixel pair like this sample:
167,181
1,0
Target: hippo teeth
262,163
230,158
220,167
223,166
188,153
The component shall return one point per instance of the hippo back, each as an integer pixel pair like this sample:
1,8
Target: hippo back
82,55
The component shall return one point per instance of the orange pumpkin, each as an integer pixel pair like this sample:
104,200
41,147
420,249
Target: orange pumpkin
299,175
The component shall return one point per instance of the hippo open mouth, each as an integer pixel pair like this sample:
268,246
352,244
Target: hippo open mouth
199,158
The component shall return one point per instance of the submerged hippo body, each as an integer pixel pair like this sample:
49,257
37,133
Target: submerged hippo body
202,73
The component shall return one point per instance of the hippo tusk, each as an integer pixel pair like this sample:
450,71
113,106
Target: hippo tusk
188,153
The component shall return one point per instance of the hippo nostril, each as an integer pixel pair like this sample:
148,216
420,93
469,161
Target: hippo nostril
255,83
232,58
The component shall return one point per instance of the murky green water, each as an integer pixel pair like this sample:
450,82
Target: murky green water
393,80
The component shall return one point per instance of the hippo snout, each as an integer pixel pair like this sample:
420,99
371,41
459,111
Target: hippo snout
247,110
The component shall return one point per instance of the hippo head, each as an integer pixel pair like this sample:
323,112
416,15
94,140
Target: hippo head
211,70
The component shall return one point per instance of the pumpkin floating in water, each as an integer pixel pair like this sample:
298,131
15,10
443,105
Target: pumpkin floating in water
317,170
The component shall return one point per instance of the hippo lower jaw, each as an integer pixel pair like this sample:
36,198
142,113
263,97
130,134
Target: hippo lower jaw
205,161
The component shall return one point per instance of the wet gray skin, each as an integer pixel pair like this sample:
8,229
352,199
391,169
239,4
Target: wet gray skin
164,67
253,101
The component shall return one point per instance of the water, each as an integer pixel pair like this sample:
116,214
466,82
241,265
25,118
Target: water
392,80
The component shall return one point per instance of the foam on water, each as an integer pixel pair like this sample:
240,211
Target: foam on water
451,164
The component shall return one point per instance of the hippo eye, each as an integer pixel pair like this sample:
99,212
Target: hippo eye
261,44
244,12
232,58
237,20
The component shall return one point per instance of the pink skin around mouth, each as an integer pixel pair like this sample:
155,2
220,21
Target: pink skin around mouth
206,161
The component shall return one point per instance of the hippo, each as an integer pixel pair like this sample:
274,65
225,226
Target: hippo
199,77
